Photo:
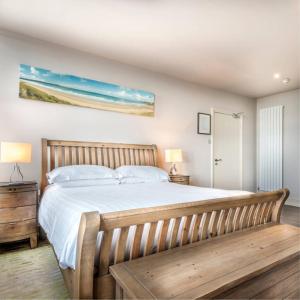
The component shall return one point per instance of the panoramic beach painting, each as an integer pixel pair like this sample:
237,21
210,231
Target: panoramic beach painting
48,86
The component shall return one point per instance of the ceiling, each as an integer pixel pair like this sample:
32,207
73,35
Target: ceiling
233,45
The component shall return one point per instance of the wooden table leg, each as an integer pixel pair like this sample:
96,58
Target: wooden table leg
33,240
119,292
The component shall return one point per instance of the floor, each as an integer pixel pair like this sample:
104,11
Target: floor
291,215
34,274
30,273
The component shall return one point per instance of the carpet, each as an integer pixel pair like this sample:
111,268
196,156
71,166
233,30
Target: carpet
31,274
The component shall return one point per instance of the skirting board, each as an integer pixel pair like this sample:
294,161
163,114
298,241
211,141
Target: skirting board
293,202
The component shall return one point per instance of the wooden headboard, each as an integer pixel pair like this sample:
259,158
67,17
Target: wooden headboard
56,153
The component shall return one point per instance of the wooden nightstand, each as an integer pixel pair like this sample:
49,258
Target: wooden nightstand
18,212
181,179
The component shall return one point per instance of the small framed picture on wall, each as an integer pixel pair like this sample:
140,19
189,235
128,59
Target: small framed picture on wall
204,124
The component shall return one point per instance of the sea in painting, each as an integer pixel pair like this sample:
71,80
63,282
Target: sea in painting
44,85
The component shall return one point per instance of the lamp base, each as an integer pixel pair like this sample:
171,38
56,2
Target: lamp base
173,170
16,170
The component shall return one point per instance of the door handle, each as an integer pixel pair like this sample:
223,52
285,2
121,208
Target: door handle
218,159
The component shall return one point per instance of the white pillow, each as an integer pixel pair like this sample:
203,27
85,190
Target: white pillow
80,172
88,182
135,180
135,174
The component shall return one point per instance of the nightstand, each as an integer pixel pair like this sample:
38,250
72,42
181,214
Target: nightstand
181,179
18,212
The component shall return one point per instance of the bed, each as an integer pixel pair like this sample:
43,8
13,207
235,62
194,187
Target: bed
106,232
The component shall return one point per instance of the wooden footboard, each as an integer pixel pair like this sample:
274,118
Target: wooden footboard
179,225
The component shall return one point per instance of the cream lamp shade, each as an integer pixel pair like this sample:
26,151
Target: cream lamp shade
15,152
173,155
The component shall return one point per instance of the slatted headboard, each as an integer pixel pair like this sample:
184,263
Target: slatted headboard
56,153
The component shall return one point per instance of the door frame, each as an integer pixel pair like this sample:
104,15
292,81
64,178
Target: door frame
226,112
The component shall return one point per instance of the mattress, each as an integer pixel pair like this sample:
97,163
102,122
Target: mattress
61,208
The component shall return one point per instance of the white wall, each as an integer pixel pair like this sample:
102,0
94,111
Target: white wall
174,124
291,139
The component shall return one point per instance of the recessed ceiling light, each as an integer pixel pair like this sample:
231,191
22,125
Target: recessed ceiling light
286,80
276,75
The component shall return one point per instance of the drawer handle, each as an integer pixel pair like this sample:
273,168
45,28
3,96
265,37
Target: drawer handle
12,223
12,189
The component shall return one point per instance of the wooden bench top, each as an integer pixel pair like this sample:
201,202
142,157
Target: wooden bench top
208,268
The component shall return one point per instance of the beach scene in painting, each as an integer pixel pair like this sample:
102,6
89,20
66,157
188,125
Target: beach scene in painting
44,85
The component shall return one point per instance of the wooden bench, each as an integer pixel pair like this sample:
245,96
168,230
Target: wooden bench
216,267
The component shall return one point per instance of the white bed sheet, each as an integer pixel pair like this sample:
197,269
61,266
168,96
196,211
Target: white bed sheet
61,208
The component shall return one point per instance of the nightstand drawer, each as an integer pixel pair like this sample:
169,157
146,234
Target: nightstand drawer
15,229
17,189
180,179
17,199
16,214
185,182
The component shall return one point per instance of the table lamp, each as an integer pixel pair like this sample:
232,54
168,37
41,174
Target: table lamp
173,156
15,153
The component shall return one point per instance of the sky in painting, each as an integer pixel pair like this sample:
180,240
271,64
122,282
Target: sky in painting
75,82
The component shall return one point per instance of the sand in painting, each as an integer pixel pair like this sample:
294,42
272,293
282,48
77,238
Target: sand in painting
36,92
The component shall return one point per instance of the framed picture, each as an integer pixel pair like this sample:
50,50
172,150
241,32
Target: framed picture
204,124
48,86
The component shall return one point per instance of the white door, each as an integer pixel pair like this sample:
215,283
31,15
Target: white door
227,151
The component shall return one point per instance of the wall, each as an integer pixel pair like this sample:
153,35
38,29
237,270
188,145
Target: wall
174,124
291,139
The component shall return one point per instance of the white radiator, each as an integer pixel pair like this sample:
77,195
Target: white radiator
270,148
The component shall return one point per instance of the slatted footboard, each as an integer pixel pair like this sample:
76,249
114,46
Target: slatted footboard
163,228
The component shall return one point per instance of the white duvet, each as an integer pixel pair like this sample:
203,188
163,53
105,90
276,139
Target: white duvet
61,207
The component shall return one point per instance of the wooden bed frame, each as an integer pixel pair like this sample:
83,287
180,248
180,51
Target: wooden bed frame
200,220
